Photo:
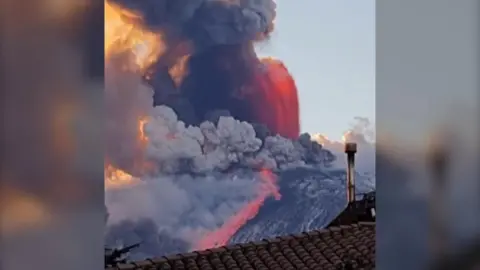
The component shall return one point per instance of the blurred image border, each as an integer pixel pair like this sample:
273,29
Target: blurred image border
51,185
427,61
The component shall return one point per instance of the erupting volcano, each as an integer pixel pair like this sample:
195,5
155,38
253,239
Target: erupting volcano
230,78
198,123
203,65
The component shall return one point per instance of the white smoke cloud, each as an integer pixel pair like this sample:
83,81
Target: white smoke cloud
362,132
181,206
177,148
204,175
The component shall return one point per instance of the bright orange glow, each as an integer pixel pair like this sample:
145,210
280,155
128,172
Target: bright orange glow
123,35
179,70
141,130
221,236
277,104
116,178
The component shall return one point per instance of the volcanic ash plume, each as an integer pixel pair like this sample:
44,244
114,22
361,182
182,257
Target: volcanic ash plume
207,63
197,123
195,184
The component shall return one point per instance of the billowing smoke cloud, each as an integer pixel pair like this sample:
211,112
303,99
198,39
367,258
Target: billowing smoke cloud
175,147
229,143
206,22
201,177
164,210
209,64
362,132
197,143
206,174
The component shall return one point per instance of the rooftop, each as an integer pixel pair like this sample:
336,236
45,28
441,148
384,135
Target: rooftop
340,247
348,242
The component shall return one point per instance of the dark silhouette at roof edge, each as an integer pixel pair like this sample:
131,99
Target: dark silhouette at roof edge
341,247
357,211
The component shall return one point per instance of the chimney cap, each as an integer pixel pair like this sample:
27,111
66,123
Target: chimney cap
350,147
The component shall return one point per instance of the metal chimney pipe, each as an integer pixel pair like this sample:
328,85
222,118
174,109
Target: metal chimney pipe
350,150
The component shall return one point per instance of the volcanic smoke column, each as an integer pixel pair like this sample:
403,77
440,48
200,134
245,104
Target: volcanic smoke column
199,58
230,78
209,67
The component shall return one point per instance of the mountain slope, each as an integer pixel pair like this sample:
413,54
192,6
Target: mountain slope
311,198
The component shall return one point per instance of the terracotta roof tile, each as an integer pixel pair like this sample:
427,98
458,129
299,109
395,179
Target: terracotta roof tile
343,247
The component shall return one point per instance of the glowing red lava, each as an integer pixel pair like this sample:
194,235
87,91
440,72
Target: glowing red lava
221,236
276,105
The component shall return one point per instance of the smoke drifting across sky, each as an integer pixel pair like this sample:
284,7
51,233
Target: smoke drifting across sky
196,150
205,22
362,132
207,64
206,174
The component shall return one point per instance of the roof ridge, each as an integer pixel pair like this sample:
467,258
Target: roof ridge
206,252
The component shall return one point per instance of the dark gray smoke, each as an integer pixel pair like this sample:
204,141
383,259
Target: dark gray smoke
204,142
205,174
218,35
206,22
230,143
175,147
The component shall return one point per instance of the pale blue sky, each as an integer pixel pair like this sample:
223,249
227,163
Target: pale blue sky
329,47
